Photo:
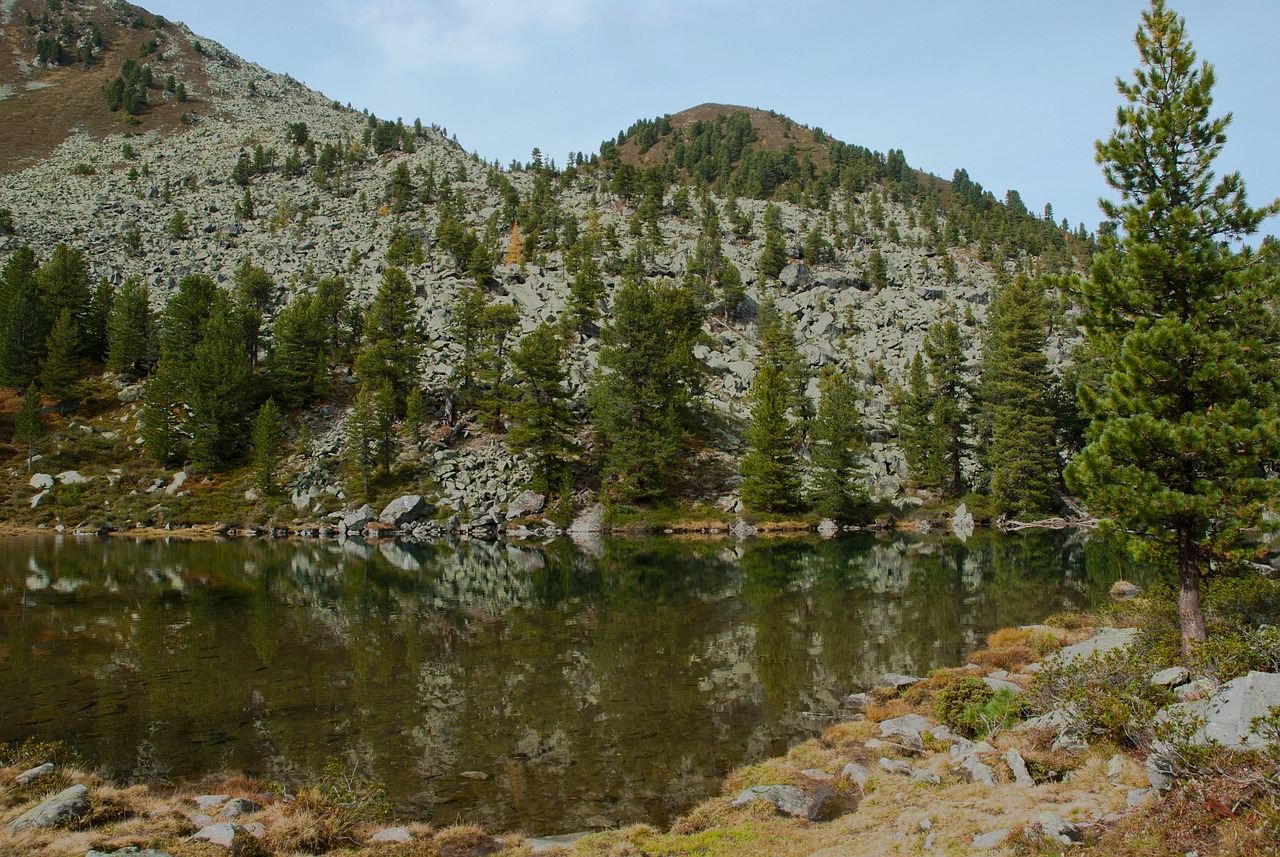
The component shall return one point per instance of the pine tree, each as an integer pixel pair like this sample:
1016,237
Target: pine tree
466,324
163,415
97,321
299,364
1185,425
390,354
22,325
415,415
1017,392
60,374
29,427
64,285
949,415
541,422
914,403
585,294
836,444
770,476
177,228
362,440
268,443
131,330
773,258
184,319
497,323
219,387
645,402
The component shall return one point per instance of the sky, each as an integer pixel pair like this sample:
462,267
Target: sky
1014,91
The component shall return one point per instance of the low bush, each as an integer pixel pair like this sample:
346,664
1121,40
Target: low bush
959,703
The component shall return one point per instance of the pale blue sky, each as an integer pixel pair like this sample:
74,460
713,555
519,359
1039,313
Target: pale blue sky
1014,91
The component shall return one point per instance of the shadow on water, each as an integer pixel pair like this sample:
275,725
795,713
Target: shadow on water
507,684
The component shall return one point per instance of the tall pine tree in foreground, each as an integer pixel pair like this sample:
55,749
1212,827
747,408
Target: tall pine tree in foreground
541,422
1017,392
770,479
1186,420
28,426
836,444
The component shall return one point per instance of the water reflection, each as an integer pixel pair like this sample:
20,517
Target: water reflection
621,683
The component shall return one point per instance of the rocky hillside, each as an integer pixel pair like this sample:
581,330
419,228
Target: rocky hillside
900,250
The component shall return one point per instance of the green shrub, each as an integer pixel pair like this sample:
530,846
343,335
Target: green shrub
1110,693
959,702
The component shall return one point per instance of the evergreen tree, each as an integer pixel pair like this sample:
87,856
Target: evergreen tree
949,415
645,402
915,402
732,292
541,422
131,331
836,444
268,443
415,415
497,323
163,415
64,285
22,325
585,294
1017,392
770,477
362,440
778,348
177,228
390,355
1185,425
29,427
773,258
299,363
60,374
97,321
218,393
466,323
184,319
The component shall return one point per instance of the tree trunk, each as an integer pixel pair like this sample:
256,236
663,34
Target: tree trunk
1190,615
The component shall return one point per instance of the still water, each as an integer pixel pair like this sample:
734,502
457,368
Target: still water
621,680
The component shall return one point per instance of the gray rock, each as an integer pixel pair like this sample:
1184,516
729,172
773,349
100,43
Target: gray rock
67,804
38,498
895,766
224,834
130,851
354,522
40,481
590,520
962,522
71,477
979,771
175,484
856,773
817,774
897,681
987,841
391,834
527,503
1115,768
1172,677
822,804
857,700
403,510
1106,640
1018,767
1196,689
1139,797
238,807
540,844
208,802
1229,714
35,773
905,730
796,276
1054,826
922,776
1160,773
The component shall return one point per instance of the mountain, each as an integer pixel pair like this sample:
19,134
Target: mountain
874,251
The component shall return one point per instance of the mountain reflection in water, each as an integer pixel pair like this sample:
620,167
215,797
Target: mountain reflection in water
622,682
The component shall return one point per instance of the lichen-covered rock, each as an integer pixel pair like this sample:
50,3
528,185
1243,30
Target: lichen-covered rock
821,804
67,804
403,511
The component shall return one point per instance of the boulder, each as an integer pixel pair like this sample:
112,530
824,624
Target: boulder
898,681
590,520
1123,590
130,851
71,477
238,807
355,522
962,522
175,484
1054,826
1172,677
40,481
34,774
993,839
979,771
1195,689
796,276
999,684
822,804
1106,640
208,802
67,804
541,844
905,730
1228,715
856,773
526,504
391,834
403,510
1018,767
895,766
225,833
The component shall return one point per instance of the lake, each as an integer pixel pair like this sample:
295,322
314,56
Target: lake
509,684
